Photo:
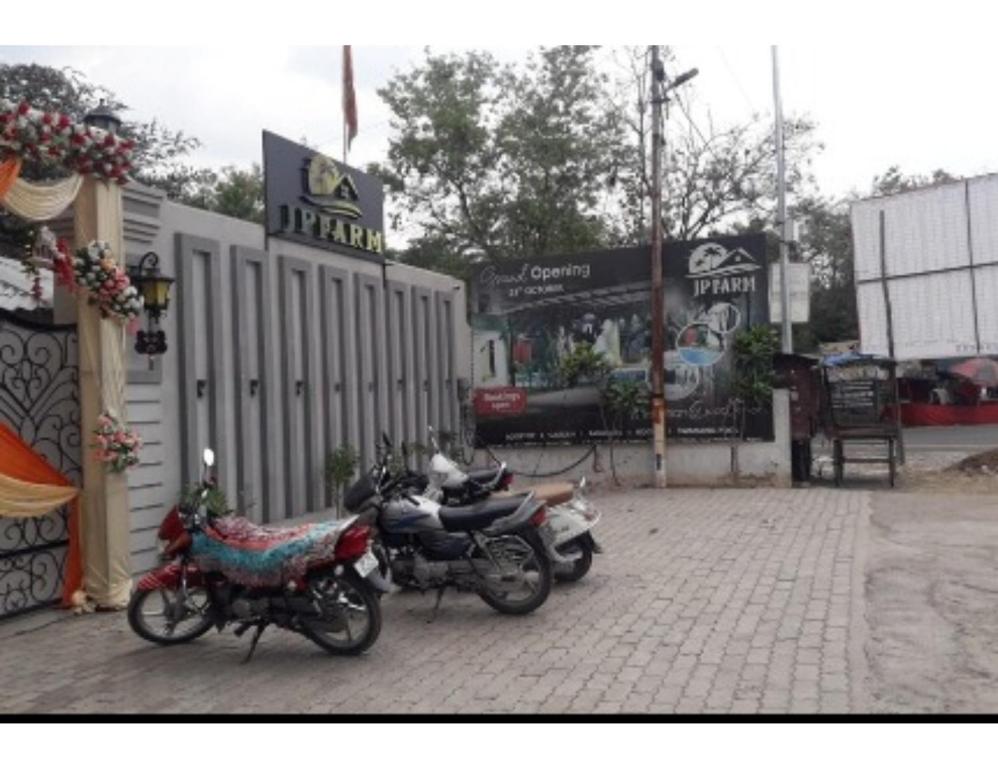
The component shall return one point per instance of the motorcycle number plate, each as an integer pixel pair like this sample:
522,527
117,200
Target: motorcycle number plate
366,564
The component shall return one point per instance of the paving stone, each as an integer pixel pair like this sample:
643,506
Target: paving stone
724,614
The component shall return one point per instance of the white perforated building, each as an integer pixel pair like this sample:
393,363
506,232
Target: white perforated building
931,255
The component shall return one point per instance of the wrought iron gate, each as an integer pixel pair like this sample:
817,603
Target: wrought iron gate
39,399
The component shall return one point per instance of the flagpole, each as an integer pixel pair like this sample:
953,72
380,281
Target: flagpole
343,103
343,99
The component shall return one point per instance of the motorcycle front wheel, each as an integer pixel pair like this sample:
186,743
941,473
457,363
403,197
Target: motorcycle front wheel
348,620
162,615
523,581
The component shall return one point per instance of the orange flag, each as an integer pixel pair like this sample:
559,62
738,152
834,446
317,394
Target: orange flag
349,101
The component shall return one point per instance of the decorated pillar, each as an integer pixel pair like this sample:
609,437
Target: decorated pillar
105,528
97,162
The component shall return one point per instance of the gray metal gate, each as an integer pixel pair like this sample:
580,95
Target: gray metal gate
39,399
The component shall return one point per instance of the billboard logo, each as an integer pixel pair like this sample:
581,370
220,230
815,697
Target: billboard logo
716,270
331,190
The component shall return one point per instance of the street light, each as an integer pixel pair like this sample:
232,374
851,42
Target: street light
102,117
155,291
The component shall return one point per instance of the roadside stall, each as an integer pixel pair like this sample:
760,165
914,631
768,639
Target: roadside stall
860,405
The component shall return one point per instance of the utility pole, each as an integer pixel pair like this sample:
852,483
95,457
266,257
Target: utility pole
659,96
657,291
783,223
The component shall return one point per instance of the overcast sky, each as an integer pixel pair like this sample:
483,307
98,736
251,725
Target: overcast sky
874,105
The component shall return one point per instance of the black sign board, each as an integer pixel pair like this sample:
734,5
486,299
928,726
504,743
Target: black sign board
315,200
530,316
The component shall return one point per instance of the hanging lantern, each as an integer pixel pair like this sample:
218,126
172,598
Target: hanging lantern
155,291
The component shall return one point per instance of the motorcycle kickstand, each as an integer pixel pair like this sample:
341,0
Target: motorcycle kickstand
436,605
256,638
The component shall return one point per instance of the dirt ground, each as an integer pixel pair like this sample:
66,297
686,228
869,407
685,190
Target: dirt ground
932,598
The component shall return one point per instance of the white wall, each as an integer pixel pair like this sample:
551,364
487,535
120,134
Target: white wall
687,464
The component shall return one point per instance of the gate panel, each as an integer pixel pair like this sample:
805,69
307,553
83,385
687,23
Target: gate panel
303,473
425,347
202,394
256,427
371,365
39,399
445,355
401,398
338,349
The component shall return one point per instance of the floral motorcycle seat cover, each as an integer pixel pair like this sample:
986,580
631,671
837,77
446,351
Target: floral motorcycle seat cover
260,556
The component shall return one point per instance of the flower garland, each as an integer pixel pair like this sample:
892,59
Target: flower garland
116,445
94,269
53,137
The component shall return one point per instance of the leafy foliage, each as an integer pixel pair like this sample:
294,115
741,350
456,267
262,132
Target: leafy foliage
497,162
231,192
583,364
715,178
625,401
215,501
754,376
341,466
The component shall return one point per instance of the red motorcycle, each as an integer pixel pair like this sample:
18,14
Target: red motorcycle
321,580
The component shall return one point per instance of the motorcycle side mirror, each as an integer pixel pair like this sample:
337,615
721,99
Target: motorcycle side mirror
209,457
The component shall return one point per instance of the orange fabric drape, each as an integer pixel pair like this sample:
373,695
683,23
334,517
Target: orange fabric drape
19,461
10,169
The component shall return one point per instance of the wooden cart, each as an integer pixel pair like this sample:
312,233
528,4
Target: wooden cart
860,405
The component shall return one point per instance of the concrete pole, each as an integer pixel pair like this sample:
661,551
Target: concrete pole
783,223
104,516
657,290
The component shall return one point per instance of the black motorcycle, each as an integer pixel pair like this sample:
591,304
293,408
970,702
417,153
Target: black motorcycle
492,548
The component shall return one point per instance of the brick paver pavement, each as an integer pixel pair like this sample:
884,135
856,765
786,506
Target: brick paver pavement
706,601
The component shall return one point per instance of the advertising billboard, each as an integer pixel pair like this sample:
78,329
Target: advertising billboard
534,321
926,271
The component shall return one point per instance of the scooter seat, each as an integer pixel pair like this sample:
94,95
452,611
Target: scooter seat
479,515
554,494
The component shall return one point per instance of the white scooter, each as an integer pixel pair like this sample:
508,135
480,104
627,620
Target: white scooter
570,515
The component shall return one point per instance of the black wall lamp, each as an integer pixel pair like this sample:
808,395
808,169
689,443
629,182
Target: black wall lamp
155,291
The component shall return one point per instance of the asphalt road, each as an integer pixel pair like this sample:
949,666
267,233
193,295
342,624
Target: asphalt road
972,439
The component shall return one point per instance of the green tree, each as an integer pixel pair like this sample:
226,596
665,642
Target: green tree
493,162
232,192
159,151
716,178
893,180
827,246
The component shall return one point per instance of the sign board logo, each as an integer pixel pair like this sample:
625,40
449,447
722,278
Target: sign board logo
716,270
314,200
331,190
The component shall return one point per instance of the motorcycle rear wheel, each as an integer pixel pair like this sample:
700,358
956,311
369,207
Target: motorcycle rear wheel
579,567
196,611
528,552
343,597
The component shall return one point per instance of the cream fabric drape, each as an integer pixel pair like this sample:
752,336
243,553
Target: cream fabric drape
105,529
22,499
40,202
